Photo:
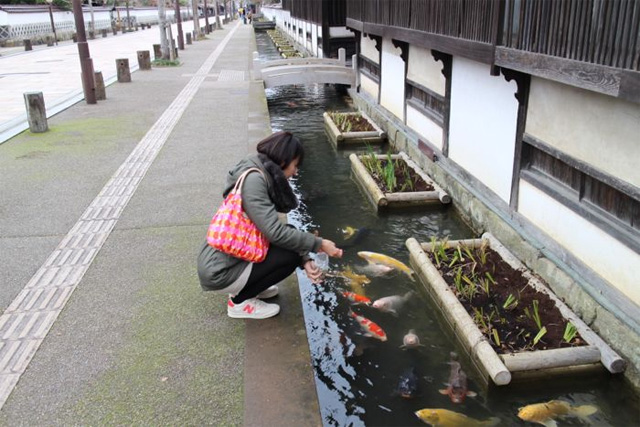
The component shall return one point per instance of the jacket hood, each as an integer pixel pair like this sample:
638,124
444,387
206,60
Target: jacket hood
247,163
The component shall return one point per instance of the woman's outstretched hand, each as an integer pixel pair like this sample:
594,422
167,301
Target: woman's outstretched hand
313,272
330,249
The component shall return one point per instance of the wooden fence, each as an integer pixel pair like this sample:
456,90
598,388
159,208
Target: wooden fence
604,32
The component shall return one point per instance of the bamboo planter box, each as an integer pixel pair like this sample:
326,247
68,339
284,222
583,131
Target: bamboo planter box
381,200
341,139
502,368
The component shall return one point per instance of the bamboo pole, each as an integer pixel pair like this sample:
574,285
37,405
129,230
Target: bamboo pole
551,359
442,195
370,187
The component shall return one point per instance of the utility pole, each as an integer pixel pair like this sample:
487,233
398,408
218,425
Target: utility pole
179,23
86,63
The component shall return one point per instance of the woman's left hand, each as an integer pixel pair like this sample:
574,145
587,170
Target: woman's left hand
313,272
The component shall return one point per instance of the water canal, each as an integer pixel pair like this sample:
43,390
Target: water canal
357,377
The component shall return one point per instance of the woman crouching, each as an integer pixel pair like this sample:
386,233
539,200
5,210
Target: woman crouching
265,192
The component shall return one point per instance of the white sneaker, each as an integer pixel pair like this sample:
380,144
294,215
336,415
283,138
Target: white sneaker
270,292
252,308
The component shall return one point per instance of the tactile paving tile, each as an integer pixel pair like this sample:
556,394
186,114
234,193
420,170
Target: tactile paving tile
28,319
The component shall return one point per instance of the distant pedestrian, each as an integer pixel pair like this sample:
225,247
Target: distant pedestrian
250,16
265,191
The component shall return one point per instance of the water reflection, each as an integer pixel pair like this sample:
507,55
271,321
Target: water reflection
357,376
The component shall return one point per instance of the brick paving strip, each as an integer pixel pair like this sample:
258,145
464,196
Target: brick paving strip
28,319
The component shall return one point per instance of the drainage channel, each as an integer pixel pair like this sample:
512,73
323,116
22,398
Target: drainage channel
357,377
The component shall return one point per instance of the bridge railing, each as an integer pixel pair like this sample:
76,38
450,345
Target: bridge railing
305,70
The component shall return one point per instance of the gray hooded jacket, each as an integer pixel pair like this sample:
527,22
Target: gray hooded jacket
218,270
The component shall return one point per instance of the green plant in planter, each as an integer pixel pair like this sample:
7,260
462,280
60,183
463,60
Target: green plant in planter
342,120
570,332
534,315
389,174
510,303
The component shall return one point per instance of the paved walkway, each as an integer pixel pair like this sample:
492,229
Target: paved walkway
55,71
103,318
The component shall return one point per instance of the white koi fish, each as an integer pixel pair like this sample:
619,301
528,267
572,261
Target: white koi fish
381,259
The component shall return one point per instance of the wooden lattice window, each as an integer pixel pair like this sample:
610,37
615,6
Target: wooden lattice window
369,68
426,101
612,204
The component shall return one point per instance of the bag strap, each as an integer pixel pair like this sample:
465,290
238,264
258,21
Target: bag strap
237,188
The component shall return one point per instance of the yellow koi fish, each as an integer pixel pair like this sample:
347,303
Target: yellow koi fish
380,259
349,232
544,413
446,418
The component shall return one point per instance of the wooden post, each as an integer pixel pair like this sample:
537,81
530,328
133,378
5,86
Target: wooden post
101,93
115,31
27,44
144,59
104,33
157,52
188,38
124,74
74,37
92,35
49,41
36,112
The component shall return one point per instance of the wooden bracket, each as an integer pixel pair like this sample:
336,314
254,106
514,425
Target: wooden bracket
404,48
376,39
522,81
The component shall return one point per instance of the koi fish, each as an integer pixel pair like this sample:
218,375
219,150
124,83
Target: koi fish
392,304
457,385
407,384
544,413
370,328
446,418
355,279
375,258
349,232
375,270
410,340
355,298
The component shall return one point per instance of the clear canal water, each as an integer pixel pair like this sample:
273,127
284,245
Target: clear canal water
356,376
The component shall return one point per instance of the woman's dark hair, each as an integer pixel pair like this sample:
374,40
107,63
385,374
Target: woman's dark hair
282,148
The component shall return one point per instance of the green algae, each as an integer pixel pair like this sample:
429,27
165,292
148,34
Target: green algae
171,370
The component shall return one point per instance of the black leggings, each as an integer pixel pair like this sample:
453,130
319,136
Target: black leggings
278,265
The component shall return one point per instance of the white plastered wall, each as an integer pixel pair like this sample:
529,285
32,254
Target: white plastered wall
425,127
599,130
314,39
482,124
369,86
392,79
368,49
425,70
605,255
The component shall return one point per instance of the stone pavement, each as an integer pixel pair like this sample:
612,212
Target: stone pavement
103,320
55,71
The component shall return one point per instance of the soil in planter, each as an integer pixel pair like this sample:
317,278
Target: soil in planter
470,278
352,123
402,180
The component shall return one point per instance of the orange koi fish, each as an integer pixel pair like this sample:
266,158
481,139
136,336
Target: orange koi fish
371,329
355,298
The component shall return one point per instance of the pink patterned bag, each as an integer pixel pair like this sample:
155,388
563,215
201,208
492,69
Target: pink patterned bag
232,232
